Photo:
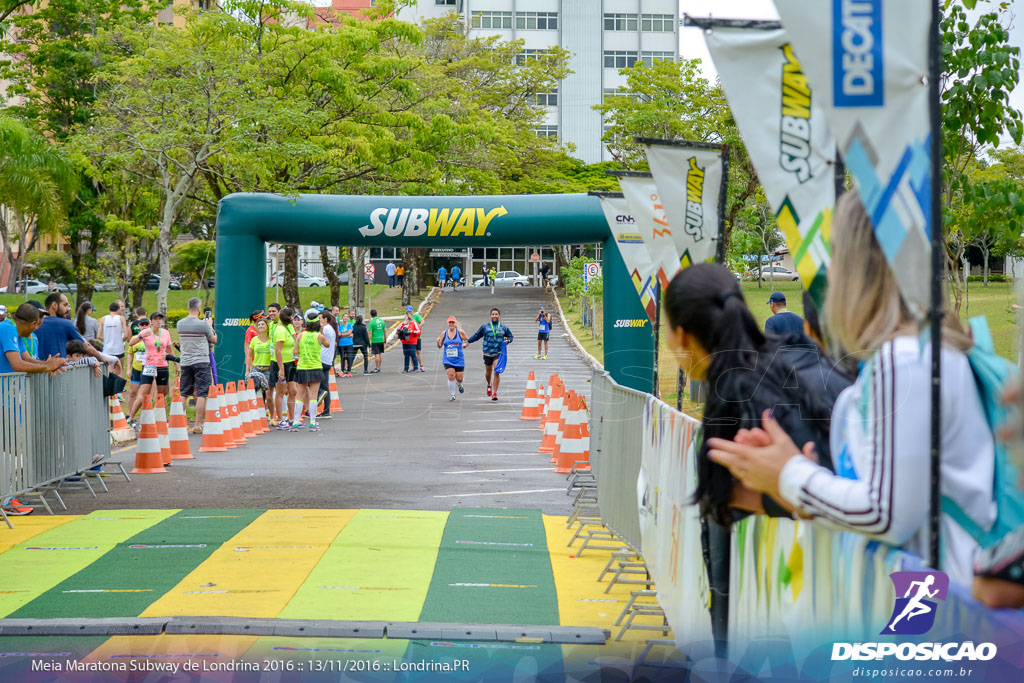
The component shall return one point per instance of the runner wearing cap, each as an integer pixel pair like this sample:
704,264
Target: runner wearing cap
453,341
543,332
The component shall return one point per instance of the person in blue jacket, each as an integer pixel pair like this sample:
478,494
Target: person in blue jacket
495,334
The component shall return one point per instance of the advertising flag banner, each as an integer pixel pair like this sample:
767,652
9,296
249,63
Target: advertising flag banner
787,139
689,180
647,209
867,61
631,247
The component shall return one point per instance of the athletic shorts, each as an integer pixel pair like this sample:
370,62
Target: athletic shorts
196,380
136,376
377,348
489,360
419,343
117,355
289,372
543,336
456,368
161,378
315,376
274,373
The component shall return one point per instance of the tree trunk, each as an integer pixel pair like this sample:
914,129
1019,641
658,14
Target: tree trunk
356,287
331,272
985,252
291,277
966,265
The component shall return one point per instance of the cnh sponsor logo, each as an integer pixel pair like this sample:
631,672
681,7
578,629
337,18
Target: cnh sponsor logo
624,218
694,226
857,59
795,124
457,222
626,322
914,614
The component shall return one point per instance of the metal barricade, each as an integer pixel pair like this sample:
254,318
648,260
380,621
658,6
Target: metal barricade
616,432
50,427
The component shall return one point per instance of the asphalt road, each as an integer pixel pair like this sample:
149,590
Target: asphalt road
399,443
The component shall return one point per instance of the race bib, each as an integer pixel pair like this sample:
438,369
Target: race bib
452,352
149,371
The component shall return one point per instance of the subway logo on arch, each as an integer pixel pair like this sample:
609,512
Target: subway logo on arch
456,222
626,322
795,125
857,58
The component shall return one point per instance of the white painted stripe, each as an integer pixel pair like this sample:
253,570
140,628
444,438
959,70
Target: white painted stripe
498,493
499,429
516,469
488,455
500,441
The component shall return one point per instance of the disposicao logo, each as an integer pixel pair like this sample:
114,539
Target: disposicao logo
913,613
468,222
857,59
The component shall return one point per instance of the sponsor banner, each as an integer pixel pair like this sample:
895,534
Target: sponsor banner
670,529
868,62
416,222
693,213
784,127
645,204
634,254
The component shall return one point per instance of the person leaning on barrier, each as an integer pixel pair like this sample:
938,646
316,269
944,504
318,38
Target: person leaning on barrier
77,357
715,338
14,356
56,331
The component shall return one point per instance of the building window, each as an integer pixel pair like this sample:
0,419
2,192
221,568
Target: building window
547,99
540,21
492,20
619,59
620,22
445,2
529,54
649,57
546,131
658,23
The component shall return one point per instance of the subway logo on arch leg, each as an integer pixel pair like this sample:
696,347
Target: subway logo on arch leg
626,322
858,60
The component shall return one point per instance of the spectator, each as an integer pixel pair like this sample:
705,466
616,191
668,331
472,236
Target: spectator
196,335
378,330
85,323
155,369
282,372
346,348
881,421
76,357
782,323
32,343
257,360
250,332
492,275
487,275
329,329
113,331
55,331
391,269
715,338
545,271
14,356
410,334
419,340
400,273
3,313
360,343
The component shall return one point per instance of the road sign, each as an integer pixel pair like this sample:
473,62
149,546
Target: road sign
592,270
369,269
535,257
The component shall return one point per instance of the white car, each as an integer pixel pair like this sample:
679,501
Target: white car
780,275
506,278
30,287
305,280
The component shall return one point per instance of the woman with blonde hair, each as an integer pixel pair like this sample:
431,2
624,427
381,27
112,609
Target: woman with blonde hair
881,426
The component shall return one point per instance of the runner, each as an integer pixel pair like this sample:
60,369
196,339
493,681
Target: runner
543,331
154,367
309,371
378,331
494,333
137,352
442,276
456,276
453,341
282,371
113,331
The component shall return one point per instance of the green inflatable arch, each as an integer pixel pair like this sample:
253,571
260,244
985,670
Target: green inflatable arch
246,222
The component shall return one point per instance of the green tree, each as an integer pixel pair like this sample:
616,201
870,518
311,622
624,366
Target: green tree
195,261
51,265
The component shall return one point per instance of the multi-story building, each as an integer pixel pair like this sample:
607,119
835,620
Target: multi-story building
602,36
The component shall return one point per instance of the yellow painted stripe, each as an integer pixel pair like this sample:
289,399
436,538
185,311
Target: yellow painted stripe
163,649
27,527
257,571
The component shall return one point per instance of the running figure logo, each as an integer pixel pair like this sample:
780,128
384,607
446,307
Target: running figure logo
914,613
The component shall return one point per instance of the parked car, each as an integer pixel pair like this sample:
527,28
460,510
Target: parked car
154,283
29,286
780,274
108,285
305,280
507,278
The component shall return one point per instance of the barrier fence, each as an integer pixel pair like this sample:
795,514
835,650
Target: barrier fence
794,588
50,427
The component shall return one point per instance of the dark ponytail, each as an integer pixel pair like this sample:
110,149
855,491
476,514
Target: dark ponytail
83,310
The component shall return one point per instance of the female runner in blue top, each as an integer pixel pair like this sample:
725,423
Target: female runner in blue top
452,341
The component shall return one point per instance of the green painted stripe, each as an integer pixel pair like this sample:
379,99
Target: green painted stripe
505,552
67,549
146,573
378,568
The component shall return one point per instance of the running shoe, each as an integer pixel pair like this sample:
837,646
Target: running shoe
537,356
295,426
283,425
494,397
349,374
452,398
488,389
461,388
320,398
544,357
14,508
314,426
423,369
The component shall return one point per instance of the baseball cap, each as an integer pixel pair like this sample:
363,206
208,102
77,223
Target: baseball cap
142,321
3,309
312,314
777,298
452,319
408,308
156,315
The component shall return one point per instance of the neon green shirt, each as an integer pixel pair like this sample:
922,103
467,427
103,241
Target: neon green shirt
286,334
377,329
417,317
309,351
262,351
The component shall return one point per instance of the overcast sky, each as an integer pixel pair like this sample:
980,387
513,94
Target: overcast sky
691,41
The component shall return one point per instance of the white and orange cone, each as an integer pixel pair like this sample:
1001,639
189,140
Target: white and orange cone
177,429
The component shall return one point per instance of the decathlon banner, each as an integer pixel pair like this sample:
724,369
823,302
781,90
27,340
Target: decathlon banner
787,139
645,204
631,247
689,181
670,529
868,62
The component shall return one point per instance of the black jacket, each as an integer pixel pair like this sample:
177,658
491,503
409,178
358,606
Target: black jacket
360,337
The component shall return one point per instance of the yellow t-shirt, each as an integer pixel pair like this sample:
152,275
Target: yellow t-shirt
286,334
262,351
138,352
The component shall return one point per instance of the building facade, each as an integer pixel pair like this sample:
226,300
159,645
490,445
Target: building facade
602,36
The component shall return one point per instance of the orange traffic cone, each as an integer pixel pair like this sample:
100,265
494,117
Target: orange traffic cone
177,429
552,381
531,403
233,432
160,411
213,430
254,410
245,411
584,421
120,430
562,419
335,399
261,412
148,459
547,444
570,450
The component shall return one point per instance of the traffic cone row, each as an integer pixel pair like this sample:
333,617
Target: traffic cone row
575,446
552,417
564,422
